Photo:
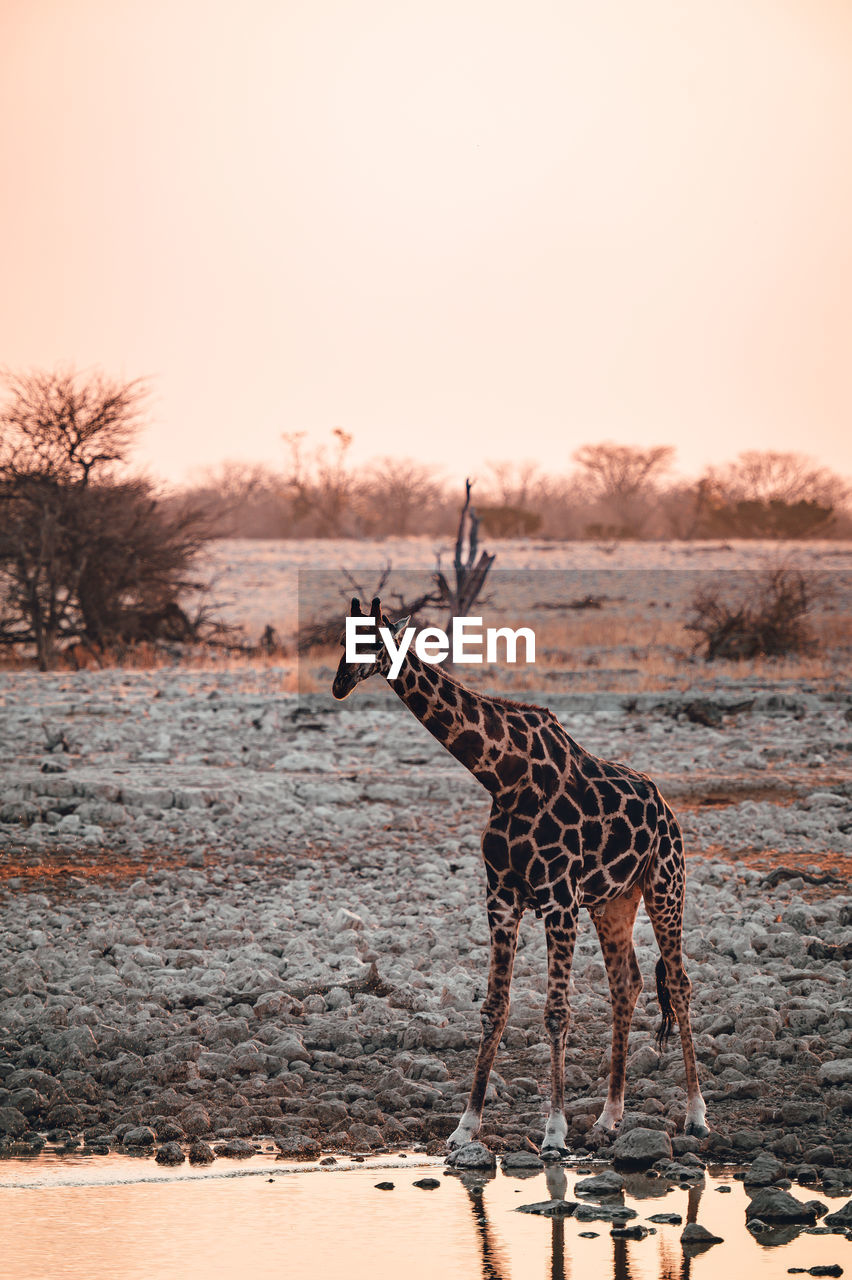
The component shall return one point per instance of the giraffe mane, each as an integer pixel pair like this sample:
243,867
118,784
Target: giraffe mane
495,698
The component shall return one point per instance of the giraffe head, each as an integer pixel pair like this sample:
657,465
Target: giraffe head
351,673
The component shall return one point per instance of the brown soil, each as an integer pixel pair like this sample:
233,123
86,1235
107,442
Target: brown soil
76,868
829,862
719,793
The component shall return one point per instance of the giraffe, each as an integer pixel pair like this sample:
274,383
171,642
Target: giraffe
566,830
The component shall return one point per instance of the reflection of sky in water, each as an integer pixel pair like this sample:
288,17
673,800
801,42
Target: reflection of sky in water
75,1220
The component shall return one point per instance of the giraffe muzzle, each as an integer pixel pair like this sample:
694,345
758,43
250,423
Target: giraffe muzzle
341,688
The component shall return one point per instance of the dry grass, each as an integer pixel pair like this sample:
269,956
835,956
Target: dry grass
603,629
628,653
145,657
633,661
626,645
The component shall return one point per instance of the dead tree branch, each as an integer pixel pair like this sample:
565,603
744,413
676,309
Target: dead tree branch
470,572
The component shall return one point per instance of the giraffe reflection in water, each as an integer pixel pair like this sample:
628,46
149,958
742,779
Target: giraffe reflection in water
494,1265
673,1264
557,1185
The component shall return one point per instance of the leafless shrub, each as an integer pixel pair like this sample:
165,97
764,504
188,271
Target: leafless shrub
769,622
326,631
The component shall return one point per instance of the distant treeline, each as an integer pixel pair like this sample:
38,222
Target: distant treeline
97,559
612,492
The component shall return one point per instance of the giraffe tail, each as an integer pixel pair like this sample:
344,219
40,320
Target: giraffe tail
666,1007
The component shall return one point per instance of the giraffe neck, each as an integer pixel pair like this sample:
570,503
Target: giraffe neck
473,728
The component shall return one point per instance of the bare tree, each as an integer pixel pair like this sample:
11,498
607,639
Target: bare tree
238,482
32,525
515,484
82,550
770,495
63,427
395,494
622,472
518,496
622,480
135,559
320,483
769,475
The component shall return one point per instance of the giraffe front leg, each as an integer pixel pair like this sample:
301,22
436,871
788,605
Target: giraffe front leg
561,932
503,924
494,1012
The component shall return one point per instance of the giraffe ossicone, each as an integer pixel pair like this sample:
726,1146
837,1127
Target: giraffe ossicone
566,830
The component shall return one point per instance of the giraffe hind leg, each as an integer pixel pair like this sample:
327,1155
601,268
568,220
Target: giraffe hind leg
561,932
663,891
615,932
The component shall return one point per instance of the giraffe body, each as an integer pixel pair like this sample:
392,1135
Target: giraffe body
566,830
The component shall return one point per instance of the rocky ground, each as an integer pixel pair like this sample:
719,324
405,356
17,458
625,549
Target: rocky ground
230,915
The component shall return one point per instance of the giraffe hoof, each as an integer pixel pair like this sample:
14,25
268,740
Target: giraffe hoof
694,1130
459,1138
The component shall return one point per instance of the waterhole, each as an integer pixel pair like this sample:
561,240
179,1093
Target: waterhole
115,1218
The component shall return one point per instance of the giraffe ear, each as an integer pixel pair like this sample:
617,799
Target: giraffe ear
398,627
355,608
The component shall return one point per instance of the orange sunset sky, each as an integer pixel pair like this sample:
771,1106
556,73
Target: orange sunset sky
461,230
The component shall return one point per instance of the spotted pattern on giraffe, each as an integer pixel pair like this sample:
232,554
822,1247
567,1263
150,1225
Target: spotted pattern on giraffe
566,830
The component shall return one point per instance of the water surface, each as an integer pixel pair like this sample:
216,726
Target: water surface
114,1218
